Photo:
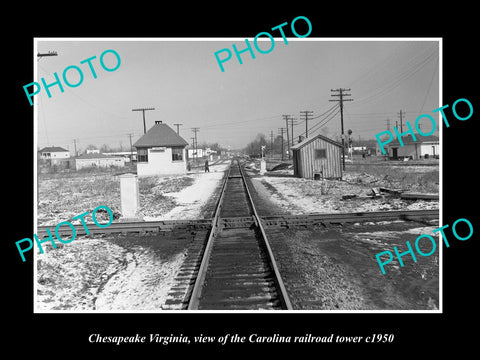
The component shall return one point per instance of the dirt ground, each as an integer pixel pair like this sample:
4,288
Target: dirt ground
336,269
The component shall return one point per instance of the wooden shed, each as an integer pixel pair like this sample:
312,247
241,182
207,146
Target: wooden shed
317,157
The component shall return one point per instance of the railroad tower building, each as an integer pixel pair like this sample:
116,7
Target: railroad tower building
317,157
161,151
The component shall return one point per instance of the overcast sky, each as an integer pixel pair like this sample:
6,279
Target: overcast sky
183,82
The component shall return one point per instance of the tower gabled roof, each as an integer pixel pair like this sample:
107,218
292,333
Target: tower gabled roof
160,135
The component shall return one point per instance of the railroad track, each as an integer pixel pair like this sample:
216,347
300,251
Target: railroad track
234,268
129,227
238,269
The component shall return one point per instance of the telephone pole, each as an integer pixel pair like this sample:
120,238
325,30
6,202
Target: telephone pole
75,146
271,144
401,120
131,149
306,113
292,122
341,94
281,134
195,130
178,125
143,111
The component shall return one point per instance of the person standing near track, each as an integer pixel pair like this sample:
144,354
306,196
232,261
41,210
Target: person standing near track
206,166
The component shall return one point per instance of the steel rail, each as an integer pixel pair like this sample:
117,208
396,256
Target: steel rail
134,226
351,217
194,301
284,299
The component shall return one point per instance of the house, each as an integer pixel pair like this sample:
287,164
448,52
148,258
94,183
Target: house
54,153
317,157
161,151
423,148
98,160
93,151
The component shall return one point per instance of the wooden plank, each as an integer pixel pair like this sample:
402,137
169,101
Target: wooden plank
420,196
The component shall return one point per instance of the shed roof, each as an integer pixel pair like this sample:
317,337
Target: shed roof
52,149
310,139
160,135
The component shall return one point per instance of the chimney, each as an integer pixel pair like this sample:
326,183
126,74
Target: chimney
158,122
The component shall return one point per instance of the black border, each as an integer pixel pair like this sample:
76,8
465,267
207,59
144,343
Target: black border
53,333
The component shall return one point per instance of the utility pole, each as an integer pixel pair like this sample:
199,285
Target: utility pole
281,134
341,94
195,130
75,146
131,149
306,113
178,125
292,122
143,111
271,143
401,122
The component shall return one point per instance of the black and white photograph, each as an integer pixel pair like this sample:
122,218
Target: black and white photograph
242,189
255,181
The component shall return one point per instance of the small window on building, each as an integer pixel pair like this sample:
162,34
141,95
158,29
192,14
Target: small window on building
142,155
320,153
177,154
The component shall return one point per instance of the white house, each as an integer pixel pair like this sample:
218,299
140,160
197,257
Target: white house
98,160
55,155
54,152
423,147
161,151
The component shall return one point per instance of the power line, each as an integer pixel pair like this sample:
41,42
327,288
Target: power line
397,80
326,114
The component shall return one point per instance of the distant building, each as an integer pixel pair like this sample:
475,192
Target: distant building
93,151
161,151
424,147
200,152
98,160
54,152
317,157
54,155
193,153
128,155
